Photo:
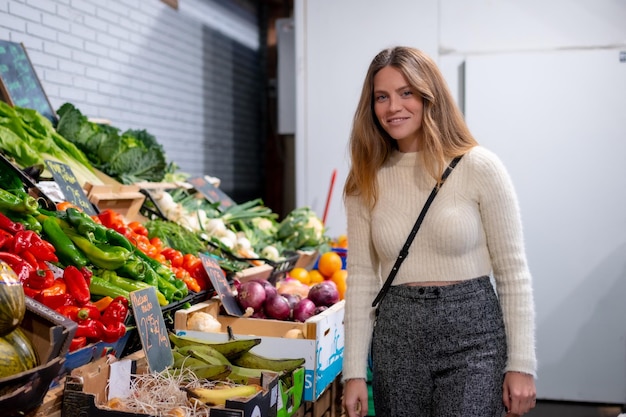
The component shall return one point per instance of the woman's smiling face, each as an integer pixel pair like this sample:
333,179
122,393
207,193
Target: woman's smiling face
398,108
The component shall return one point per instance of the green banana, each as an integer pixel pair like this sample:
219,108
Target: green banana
204,371
204,353
230,349
219,395
252,360
186,361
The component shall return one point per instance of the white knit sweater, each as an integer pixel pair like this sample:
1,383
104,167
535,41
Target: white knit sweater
473,228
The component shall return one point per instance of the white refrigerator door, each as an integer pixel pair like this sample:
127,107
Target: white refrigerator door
558,121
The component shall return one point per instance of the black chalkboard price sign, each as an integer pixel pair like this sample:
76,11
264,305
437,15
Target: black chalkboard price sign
211,192
19,84
218,279
68,183
151,327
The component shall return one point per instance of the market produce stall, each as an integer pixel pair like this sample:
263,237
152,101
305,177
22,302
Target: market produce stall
92,218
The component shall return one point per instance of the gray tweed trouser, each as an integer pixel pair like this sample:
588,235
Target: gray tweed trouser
439,352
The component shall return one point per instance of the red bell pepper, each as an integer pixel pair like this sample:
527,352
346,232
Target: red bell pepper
22,268
41,278
30,258
116,312
59,287
70,311
30,292
9,225
88,311
6,240
76,284
77,343
28,240
91,329
113,332
56,301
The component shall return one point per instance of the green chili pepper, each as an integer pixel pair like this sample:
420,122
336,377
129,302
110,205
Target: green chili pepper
20,204
131,285
101,287
101,255
113,237
168,289
85,225
150,277
66,250
134,268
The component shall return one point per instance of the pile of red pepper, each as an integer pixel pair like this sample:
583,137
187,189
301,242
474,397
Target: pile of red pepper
68,292
100,321
26,253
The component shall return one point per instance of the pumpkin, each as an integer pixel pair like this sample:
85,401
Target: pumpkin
12,305
16,354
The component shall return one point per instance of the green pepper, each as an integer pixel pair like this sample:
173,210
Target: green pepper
134,268
21,204
85,225
113,237
66,250
101,287
101,255
131,285
168,289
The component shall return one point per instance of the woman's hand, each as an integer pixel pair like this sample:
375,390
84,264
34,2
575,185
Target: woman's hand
355,397
519,393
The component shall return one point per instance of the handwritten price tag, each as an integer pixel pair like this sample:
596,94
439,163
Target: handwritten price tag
68,183
151,328
212,193
218,279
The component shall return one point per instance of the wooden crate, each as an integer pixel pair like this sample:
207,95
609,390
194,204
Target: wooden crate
123,199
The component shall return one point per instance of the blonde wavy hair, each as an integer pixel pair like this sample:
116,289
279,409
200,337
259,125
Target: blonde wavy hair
445,134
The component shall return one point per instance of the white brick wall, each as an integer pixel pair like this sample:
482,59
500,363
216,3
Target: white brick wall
138,63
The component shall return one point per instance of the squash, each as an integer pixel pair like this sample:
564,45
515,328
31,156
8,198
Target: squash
12,305
16,354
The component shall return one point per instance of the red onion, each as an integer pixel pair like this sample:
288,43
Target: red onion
277,307
270,290
324,294
303,310
251,294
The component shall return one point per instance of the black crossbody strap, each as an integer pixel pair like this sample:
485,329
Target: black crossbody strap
405,249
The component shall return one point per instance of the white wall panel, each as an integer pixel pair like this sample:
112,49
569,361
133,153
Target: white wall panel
335,42
554,120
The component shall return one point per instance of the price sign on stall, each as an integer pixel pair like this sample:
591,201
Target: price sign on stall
218,279
212,193
151,327
68,183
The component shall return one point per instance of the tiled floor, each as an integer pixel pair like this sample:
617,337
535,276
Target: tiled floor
567,409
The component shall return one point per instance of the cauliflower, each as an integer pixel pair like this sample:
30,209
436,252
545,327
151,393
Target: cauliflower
203,322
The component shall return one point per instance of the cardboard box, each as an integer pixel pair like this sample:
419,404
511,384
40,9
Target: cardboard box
290,397
87,390
322,346
50,334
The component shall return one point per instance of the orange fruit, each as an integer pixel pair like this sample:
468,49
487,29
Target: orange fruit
329,263
342,242
340,278
315,277
301,275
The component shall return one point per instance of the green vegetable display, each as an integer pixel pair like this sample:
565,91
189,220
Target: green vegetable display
302,230
130,157
29,138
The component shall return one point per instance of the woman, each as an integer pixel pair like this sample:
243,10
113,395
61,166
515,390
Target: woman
445,343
